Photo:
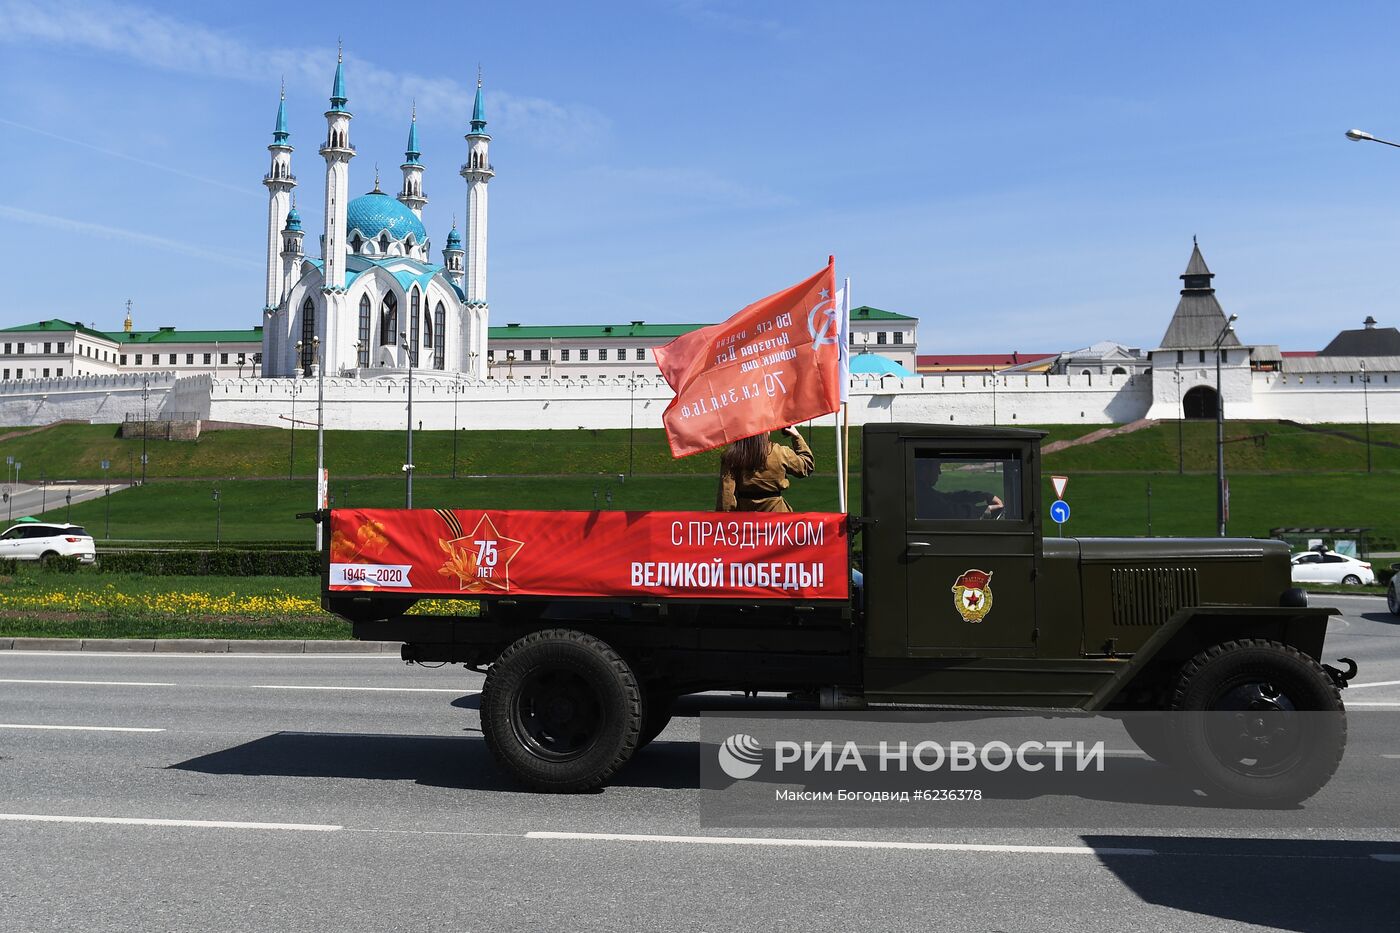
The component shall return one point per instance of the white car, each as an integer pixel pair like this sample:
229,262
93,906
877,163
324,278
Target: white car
1331,567
43,541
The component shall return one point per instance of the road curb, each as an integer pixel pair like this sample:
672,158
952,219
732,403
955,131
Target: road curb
199,646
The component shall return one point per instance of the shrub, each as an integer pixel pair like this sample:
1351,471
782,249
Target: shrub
225,562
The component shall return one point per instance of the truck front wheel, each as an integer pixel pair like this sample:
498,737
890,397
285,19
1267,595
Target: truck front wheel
561,711
1259,722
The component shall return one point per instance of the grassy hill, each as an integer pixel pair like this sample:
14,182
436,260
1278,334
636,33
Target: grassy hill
1281,475
70,451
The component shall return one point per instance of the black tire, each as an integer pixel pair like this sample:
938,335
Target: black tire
1242,734
47,558
1392,598
1152,733
1351,579
561,711
656,714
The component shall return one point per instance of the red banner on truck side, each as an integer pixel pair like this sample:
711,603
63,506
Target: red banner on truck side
717,555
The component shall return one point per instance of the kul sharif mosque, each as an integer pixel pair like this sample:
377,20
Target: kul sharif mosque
375,299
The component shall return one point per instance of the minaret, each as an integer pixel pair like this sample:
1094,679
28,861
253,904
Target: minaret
292,251
478,173
337,152
280,182
412,194
452,256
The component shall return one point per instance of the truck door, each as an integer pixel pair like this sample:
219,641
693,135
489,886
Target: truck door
971,547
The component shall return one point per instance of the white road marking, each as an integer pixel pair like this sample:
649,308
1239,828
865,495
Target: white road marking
1369,704
457,691
15,725
1386,857
1379,683
196,824
841,844
88,683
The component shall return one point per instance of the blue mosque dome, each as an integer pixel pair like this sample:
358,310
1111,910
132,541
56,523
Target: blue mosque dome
376,212
293,220
454,239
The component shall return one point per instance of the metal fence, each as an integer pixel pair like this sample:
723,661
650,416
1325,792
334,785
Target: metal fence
164,416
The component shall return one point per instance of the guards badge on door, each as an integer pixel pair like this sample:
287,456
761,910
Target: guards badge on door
972,595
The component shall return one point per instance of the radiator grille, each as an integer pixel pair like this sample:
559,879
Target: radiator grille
1151,595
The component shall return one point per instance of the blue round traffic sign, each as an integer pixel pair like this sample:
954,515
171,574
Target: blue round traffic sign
1059,511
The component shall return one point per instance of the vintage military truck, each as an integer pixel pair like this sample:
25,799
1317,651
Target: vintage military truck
591,624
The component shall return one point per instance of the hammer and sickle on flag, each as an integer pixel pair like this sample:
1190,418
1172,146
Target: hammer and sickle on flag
754,373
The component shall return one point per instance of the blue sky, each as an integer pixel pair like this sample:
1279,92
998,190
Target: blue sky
1021,176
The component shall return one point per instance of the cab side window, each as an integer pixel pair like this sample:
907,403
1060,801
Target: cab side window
953,487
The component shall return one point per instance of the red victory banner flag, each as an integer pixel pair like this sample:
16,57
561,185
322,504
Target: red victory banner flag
773,364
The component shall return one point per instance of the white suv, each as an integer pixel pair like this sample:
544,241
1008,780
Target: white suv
41,541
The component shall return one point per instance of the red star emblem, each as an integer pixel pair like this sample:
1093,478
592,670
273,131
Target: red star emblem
489,555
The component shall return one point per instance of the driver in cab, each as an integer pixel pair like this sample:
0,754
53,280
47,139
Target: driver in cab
931,502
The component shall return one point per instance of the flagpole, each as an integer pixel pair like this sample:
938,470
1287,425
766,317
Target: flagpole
843,444
843,374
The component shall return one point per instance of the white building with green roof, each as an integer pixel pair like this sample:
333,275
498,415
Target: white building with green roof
58,349
595,351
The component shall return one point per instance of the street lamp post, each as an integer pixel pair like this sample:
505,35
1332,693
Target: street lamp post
632,425
1220,429
292,453
1366,405
1180,418
145,421
218,519
456,395
1360,136
320,365
107,497
1357,136
408,456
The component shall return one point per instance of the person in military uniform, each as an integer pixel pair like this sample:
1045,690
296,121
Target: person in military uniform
753,472
931,502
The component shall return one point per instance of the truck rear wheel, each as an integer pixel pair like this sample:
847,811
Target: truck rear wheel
1263,722
561,711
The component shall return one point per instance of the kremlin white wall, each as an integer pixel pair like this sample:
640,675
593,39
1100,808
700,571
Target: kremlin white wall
614,403
98,399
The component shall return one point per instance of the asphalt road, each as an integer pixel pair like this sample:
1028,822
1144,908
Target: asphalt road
33,499
226,792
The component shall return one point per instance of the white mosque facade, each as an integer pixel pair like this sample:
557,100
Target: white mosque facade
375,302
